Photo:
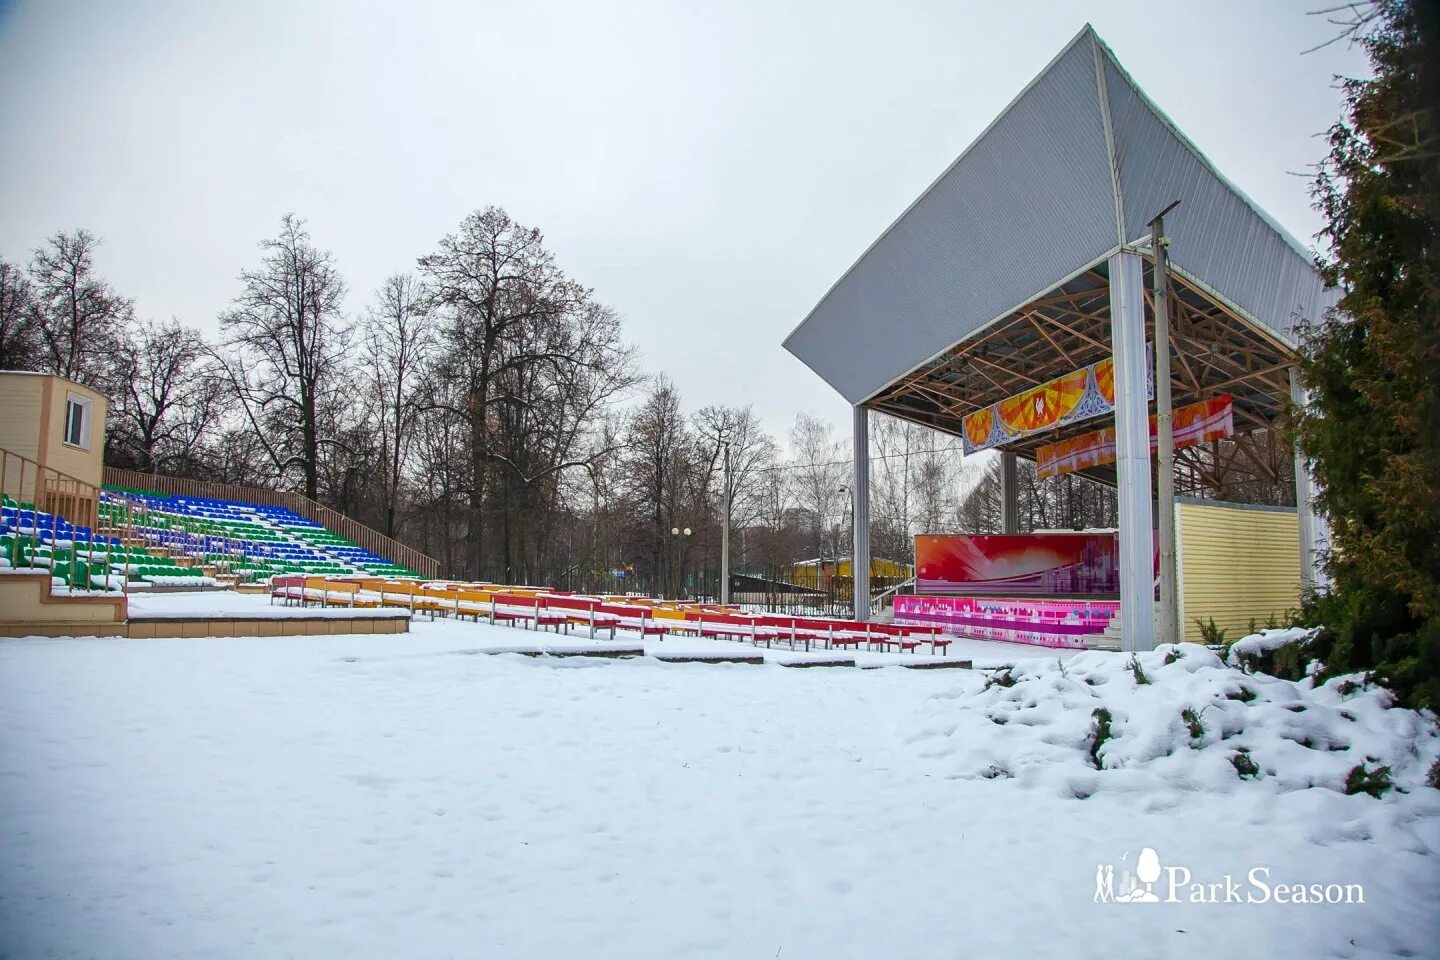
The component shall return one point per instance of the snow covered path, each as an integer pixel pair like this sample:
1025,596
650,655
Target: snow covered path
385,796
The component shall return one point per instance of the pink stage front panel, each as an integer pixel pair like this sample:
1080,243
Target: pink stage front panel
1046,623
1017,564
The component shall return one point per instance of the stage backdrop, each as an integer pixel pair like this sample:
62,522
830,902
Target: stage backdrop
1024,565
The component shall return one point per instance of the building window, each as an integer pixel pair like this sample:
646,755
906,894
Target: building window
77,421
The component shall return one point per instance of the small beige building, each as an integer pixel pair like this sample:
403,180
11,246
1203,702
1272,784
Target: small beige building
52,442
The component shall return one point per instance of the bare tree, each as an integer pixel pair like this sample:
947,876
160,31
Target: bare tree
820,472
1070,501
492,281
938,474
979,510
752,453
19,324
285,347
398,336
441,468
550,429
661,456
166,402
80,319
896,446
235,455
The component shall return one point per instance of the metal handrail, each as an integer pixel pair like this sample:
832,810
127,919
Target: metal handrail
51,490
879,598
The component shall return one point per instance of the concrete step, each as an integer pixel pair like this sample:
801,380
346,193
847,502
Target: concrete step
1103,641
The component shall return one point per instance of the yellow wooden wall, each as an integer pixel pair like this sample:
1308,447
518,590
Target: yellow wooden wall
83,464
1235,562
32,424
22,398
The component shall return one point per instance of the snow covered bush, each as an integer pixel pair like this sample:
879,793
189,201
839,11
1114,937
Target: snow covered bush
1099,735
1364,780
1281,653
1244,764
1197,724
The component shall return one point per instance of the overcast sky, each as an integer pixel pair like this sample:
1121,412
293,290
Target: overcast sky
709,168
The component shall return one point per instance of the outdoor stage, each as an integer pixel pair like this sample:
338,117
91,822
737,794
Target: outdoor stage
1016,304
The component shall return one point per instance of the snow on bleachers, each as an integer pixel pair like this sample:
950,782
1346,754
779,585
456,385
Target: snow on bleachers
75,556
251,540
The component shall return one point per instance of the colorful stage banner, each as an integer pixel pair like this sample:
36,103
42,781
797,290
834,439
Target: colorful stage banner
1078,395
1210,419
1051,564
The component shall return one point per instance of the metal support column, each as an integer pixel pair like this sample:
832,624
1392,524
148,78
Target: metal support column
1132,452
860,515
1304,502
1009,494
1168,629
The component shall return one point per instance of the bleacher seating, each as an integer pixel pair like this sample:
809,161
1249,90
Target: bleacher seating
145,538
253,540
33,539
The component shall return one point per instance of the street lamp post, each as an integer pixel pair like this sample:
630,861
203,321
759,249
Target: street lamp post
725,532
680,537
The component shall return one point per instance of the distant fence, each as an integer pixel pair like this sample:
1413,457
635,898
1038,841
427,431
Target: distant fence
803,592
357,533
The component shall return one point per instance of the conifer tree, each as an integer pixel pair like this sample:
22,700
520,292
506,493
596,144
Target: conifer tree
1372,429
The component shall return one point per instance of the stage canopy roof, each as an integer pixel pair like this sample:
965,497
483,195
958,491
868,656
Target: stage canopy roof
995,279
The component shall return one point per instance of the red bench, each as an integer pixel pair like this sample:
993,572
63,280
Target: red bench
718,625
528,609
581,611
930,635
794,631
884,636
887,635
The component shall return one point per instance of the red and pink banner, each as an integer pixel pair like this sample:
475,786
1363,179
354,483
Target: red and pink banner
1046,623
1078,395
1019,564
1210,419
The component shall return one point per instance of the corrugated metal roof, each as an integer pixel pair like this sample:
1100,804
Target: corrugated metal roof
1218,236
1031,202
966,251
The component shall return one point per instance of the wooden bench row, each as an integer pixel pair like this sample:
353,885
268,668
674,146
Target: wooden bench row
542,610
812,632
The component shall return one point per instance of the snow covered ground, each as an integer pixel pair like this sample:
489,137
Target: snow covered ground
396,796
